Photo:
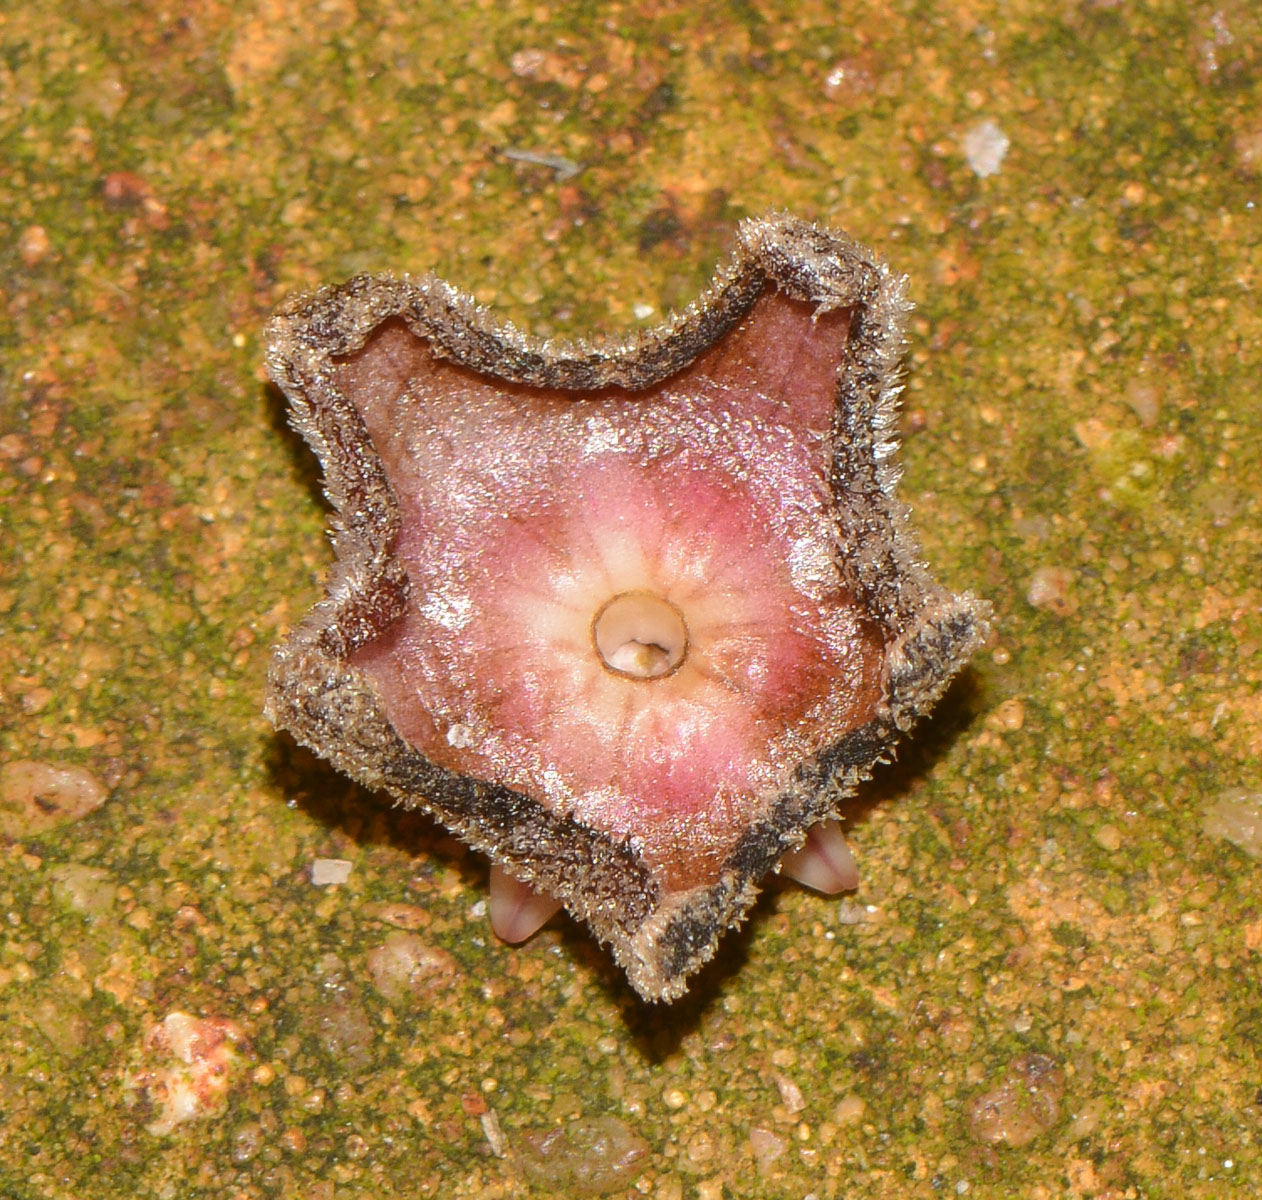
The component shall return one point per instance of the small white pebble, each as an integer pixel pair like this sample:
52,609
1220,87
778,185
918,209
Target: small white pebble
850,913
325,871
767,1146
1236,814
494,1134
985,146
674,1099
790,1093
642,311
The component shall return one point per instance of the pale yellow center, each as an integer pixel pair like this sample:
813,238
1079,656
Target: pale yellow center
640,635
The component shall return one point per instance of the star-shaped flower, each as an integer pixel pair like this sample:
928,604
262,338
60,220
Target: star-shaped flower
633,617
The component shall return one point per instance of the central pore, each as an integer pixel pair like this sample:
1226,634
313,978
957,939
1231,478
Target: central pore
640,635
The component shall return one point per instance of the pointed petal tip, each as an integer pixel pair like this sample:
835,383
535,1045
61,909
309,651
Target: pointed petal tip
518,912
823,862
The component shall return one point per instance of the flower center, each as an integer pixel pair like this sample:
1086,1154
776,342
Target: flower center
640,635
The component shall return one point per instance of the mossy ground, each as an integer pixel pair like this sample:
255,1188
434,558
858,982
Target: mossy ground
1083,429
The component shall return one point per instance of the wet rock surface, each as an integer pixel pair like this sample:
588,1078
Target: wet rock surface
1081,398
